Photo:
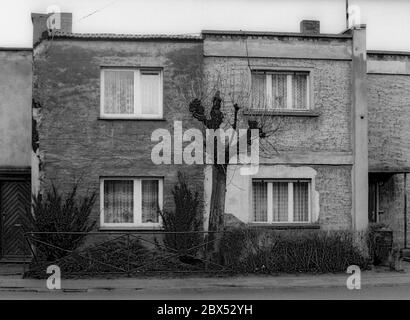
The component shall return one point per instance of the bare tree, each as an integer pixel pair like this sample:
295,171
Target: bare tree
234,104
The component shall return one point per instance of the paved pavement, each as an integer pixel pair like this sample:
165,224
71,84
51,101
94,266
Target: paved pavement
383,292
377,283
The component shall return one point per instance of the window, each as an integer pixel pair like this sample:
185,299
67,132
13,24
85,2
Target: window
280,90
281,201
131,93
130,202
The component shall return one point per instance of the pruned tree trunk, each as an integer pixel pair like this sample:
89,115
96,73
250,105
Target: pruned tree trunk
217,206
217,209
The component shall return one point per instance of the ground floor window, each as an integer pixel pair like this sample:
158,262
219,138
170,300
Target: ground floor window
281,201
131,202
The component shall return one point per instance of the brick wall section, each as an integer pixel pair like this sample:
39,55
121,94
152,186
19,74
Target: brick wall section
75,144
331,131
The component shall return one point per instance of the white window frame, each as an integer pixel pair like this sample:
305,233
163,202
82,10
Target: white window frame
137,201
289,90
290,201
137,96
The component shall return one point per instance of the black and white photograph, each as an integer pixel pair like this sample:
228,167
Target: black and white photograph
204,156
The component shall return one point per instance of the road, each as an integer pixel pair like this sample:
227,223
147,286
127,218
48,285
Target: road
371,292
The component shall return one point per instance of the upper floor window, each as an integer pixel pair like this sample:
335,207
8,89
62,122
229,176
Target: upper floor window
131,202
131,93
279,90
283,201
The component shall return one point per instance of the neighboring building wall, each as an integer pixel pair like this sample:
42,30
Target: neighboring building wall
321,144
389,135
76,144
15,108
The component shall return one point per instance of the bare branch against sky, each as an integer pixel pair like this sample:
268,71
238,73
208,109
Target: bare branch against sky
388,22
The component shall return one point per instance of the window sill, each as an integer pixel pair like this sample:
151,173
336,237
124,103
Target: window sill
291,113
285,226
125,229
131,119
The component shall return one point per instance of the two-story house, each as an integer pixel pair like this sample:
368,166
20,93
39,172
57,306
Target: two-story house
317,176
98,98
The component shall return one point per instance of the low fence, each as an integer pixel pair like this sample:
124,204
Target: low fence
124,253
241,250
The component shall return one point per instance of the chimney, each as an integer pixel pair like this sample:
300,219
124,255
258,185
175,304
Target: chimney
44,22
310,26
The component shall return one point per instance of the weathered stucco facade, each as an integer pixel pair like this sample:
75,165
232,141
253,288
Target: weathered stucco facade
316,145
75,143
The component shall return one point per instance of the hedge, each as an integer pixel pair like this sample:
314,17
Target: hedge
251,250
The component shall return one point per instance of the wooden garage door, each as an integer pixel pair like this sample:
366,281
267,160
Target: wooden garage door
14,205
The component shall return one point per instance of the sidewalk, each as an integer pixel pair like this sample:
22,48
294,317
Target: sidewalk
369,278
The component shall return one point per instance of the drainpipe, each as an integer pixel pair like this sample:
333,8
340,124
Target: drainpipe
360,170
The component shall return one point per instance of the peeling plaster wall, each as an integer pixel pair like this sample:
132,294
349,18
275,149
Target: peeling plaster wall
330,190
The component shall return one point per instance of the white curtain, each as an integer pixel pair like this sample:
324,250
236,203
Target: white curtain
299,83
118,201
279,94
150,91
150,201
118,92
258,91
260,202
301,201
280,201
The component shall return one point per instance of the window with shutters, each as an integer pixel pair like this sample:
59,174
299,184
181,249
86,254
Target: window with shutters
280,91
281,201
132,202
131,93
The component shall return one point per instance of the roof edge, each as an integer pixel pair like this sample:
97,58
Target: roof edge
389,53
115,36
16,49
277,34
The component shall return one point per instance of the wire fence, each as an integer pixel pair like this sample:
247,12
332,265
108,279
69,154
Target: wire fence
124,253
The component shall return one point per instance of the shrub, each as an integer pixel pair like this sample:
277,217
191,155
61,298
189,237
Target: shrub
274,251
55,213
187,217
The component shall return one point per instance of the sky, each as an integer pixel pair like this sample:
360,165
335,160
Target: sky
388,22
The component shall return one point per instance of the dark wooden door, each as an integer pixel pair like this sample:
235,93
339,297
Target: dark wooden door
372,201
14,208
